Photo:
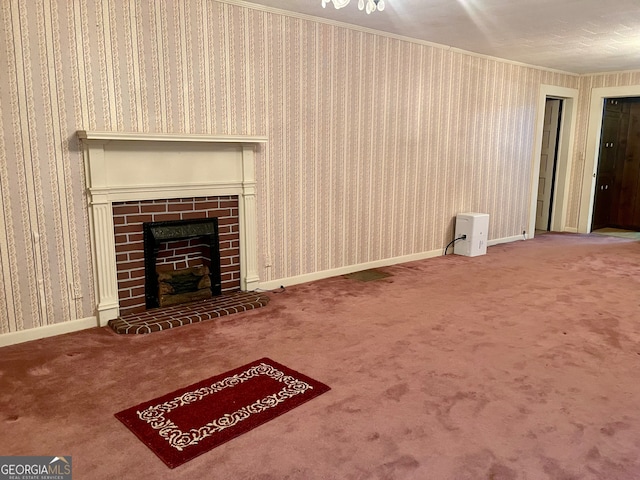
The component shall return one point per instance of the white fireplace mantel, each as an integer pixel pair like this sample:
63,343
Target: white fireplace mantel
125,166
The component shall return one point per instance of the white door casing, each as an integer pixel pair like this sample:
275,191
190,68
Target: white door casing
564,157
592,152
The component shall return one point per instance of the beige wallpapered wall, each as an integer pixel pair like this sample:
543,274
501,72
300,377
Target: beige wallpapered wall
374,143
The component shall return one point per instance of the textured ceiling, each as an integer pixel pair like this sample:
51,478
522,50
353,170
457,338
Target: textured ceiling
579,36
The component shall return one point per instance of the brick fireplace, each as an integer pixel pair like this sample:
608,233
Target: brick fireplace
134,178
129,219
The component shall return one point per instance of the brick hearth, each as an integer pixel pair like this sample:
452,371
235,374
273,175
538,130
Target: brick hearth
170,317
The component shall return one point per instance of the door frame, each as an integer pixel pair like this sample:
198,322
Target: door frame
567,130
592,152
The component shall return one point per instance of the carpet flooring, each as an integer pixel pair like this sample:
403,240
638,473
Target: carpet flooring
522,364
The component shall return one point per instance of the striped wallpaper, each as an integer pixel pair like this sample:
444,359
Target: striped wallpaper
375,142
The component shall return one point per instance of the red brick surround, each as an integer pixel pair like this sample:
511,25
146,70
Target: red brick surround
128,218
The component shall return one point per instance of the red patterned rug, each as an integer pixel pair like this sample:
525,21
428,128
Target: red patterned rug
183,424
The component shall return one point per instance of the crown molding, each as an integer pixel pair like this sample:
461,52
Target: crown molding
335,23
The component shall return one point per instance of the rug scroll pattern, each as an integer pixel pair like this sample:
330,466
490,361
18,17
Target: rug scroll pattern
155,414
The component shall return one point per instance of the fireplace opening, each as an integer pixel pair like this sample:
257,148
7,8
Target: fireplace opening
181,261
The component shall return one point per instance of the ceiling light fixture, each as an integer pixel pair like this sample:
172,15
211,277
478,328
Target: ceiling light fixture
369,5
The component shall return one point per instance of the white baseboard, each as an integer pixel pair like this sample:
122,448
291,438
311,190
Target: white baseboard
498,241
37,333
334,272
310,277
13,338
570,230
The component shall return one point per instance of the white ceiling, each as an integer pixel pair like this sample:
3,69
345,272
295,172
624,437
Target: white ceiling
579,36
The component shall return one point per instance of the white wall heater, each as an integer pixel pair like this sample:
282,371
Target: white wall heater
476,227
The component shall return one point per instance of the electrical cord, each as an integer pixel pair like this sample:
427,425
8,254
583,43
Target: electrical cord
463,237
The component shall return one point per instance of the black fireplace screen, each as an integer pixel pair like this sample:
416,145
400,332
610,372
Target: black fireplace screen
157,232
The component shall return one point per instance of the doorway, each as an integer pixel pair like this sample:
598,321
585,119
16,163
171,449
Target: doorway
594,134
549,211
548,163
617,192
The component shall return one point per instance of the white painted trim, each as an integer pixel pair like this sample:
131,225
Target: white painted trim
498,241
615,72
334,272
564,160
159,192
594,130
358,28
169,137
37,333
571,230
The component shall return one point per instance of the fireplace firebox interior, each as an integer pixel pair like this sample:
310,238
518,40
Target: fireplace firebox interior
155,233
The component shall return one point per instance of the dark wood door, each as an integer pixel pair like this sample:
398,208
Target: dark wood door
617,196
603,203
606,190
628,208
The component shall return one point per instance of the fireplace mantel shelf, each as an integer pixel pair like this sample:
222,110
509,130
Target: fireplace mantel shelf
169,137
